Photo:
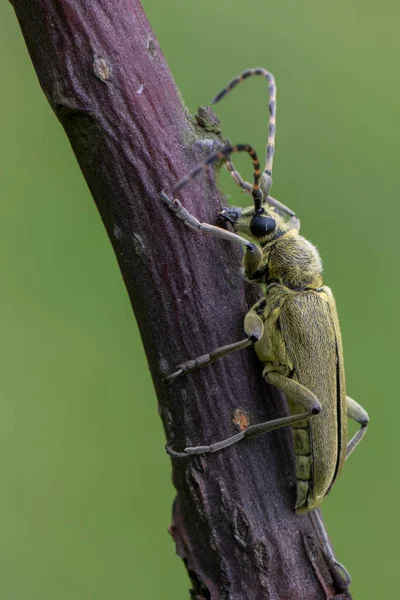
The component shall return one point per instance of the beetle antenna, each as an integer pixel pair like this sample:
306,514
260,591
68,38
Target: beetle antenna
271,104
224,155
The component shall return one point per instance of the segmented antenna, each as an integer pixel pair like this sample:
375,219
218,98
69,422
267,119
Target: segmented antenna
222,155
272,108
247,187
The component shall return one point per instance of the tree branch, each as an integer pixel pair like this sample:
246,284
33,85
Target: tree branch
105,77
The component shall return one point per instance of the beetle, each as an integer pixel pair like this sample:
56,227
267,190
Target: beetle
294,328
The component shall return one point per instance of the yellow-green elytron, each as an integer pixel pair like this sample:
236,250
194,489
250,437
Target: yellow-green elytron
294,328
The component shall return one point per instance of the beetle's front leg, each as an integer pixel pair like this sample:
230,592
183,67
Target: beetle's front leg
251,263
218,232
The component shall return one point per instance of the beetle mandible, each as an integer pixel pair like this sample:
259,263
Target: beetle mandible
294,327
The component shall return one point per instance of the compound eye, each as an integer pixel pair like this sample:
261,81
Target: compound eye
261,226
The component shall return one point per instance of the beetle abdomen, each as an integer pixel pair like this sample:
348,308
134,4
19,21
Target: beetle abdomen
304,464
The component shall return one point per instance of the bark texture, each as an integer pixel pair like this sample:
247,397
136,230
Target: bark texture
104,75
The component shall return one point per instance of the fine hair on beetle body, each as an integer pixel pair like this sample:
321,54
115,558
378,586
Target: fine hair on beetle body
294,328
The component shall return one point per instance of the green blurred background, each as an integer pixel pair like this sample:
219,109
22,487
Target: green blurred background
85,498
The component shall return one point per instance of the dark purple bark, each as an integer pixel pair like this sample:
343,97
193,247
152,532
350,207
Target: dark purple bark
106,79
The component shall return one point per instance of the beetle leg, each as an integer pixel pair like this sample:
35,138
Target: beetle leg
356,412
334,565
217,232
254,328
253,255
251,431
208,359
293,390
253,323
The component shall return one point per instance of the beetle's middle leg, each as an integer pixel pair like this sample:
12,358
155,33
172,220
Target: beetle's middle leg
208,359
254,328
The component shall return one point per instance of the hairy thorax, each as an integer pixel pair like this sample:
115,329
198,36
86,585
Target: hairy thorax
294,262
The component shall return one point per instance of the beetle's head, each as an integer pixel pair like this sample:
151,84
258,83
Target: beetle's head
262,224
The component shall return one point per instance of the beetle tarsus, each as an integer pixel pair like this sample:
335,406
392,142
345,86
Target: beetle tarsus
170,378
344,571
175,454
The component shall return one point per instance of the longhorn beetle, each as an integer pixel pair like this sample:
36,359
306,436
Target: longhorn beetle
294,328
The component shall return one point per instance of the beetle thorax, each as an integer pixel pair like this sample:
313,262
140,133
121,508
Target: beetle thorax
294,262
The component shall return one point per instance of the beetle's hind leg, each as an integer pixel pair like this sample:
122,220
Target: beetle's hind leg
336,568
293,390
357,413
250,432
